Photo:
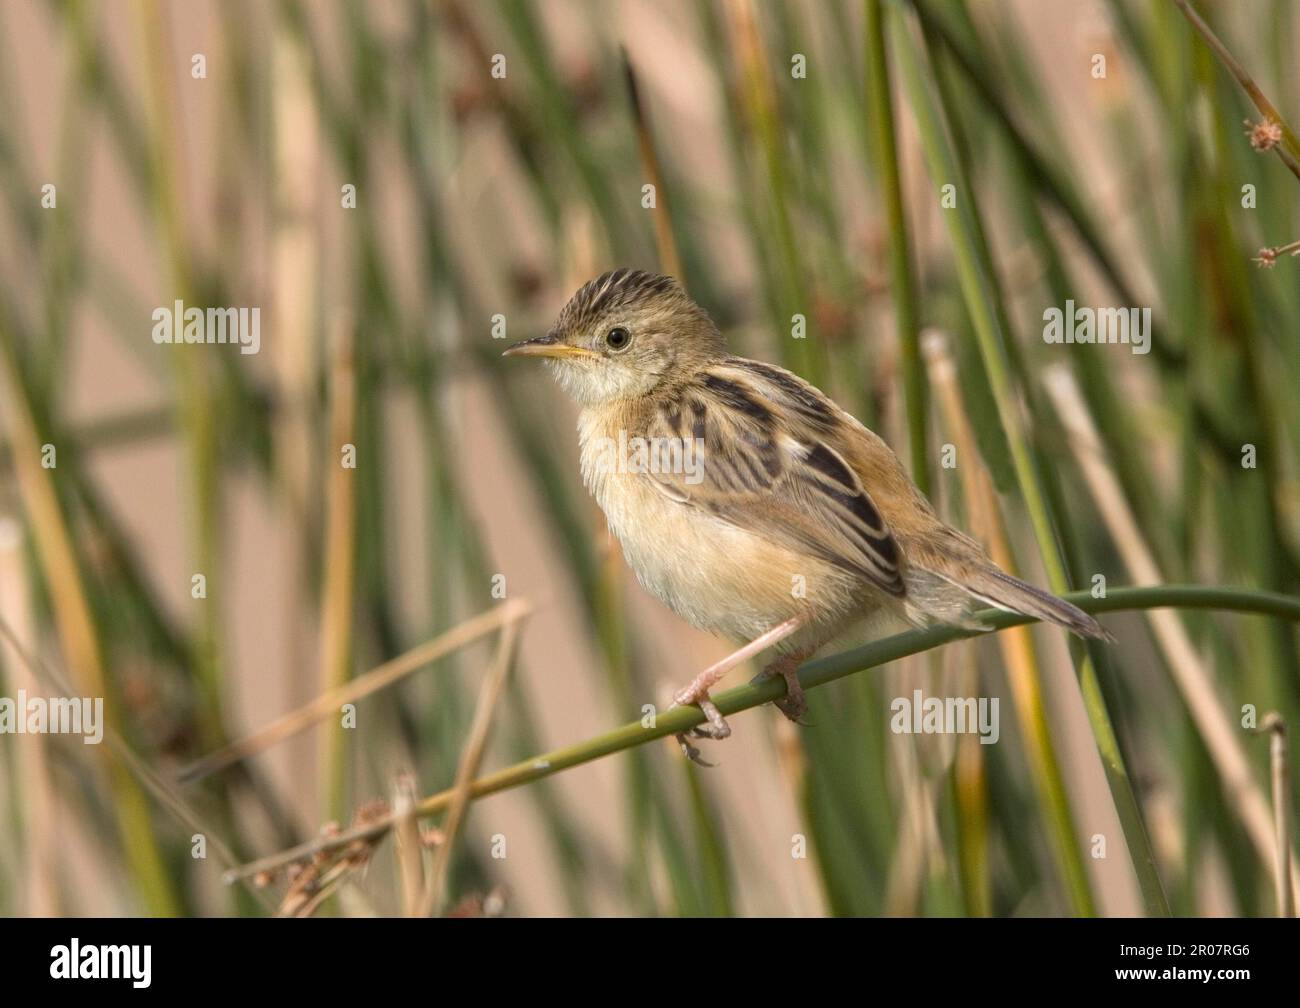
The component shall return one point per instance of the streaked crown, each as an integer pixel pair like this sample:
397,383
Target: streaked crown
615,291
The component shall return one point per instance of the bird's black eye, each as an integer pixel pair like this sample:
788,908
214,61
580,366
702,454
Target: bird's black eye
618,338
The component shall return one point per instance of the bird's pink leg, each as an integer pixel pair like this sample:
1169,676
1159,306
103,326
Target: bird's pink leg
697,690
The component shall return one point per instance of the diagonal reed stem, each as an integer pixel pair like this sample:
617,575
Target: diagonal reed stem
378,678
435,888
812,675
1289,149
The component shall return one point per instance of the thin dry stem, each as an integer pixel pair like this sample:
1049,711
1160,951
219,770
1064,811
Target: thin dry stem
378,678
1276,729
471,759
1188,671
410,851
340,561
669,260
295,261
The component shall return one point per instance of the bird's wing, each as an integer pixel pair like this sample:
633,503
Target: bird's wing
762,458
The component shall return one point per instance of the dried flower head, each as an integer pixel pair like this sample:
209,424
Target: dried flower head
1264,135
432,837
370,812
1267,258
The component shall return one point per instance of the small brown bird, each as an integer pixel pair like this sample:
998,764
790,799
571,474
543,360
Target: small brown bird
747,501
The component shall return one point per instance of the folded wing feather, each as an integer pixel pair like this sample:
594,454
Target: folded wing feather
763,462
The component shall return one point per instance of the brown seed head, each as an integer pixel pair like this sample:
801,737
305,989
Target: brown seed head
1264,135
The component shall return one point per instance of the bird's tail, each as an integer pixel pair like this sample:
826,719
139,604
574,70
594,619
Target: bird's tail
1002,591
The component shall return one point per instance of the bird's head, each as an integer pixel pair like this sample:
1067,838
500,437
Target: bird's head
624,335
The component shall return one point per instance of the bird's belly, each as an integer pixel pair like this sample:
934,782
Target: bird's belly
715,575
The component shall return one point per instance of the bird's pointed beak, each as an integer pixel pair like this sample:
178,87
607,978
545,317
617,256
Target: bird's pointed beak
545,346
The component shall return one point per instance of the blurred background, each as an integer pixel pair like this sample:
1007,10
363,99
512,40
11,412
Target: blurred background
219,538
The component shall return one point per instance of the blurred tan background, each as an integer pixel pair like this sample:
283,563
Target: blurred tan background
244,209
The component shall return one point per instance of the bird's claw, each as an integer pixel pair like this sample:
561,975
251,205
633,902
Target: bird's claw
793,704
692,752
715,728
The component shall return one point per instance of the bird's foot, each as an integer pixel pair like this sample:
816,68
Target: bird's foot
714,728
697,692
793,705
691,751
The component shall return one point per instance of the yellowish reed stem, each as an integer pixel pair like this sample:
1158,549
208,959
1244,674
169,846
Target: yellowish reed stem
35,789
340,564
669,260
77,632
1275,727
1024,673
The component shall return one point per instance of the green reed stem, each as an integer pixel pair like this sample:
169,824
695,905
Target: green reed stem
880,113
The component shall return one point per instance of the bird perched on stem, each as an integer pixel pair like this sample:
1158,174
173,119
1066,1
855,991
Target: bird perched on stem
780,519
